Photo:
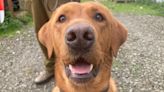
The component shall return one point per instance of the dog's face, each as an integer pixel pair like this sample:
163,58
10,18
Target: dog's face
84,38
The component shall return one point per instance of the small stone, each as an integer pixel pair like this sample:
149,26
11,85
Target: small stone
13,53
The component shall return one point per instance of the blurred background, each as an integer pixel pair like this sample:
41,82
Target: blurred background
139,66
18,12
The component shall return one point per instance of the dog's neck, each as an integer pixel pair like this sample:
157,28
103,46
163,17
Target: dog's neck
104,90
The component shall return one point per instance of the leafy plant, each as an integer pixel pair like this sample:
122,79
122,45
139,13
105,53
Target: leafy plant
11,24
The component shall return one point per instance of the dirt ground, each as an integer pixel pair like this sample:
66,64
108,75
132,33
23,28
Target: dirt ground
139,66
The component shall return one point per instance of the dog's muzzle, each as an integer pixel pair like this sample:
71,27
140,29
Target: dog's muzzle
79,38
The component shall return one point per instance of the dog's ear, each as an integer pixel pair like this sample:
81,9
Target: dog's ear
45,38
119,36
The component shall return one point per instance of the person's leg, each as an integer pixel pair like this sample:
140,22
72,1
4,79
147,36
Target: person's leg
40,17
50,6
42,10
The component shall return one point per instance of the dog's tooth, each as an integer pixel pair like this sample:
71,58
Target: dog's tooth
70,67
91,67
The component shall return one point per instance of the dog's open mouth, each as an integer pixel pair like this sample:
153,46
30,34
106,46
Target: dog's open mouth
81,70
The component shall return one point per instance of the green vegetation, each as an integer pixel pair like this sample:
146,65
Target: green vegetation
140,7
12,24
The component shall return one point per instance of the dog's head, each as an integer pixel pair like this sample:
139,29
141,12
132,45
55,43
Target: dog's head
84,38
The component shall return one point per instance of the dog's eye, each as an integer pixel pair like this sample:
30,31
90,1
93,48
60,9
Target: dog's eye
98,17
62,18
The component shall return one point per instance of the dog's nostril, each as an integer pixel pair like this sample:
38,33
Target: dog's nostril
71,36
88,36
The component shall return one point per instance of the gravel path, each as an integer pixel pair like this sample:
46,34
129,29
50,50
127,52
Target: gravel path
139,66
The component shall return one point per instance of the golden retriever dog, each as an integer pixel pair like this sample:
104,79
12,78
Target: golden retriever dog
84,37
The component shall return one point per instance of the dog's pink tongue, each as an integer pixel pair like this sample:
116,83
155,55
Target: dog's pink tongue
81,69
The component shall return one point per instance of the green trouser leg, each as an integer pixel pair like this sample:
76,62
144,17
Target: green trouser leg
42,10
40,17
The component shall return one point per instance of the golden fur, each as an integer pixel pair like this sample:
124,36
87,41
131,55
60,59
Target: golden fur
110,34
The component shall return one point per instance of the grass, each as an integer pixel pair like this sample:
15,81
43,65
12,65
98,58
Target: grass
135,8
12,24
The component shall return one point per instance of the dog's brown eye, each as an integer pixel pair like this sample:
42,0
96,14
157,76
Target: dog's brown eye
98,17
62,18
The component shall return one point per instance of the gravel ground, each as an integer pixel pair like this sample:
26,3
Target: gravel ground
139,66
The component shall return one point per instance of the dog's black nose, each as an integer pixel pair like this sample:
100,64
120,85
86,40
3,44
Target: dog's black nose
79,37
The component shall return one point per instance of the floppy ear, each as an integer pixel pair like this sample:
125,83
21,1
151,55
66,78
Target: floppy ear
45,38
119,36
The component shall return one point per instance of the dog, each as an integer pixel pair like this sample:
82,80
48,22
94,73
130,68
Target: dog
84,38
